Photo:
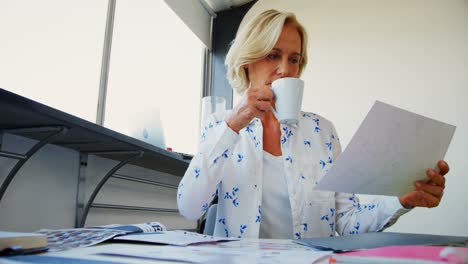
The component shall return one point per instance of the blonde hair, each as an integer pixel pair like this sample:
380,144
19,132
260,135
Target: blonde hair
255,41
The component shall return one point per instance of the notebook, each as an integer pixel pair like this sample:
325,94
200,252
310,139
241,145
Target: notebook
404,254
12,243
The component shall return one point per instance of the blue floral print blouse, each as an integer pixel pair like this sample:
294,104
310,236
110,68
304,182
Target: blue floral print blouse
230,165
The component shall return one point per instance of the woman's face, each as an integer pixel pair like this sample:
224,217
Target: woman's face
282,61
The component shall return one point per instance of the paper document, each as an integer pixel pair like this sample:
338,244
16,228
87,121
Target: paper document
176,238
64,239
244,251
391,150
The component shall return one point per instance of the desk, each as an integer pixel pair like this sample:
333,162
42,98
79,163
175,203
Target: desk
242,251
26,118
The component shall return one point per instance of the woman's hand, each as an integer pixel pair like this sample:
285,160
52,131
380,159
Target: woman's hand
427,193
254,103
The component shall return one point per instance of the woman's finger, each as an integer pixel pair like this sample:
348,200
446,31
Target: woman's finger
435,177
443,167
264,95
263,105
436,191
425,200
430,200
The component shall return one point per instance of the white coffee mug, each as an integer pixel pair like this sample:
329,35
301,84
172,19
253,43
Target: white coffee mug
288,99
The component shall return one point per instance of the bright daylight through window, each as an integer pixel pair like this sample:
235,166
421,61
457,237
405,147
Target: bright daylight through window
51,52
155,76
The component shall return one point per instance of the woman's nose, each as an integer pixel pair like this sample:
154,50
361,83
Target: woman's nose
282,69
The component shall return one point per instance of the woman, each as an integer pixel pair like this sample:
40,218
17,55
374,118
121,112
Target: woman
264,172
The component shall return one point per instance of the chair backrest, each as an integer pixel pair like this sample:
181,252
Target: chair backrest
210,220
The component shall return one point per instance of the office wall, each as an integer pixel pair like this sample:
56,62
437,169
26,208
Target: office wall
43,192
412,54
123,192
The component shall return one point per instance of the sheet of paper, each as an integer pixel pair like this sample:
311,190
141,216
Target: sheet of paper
258,251
390,151
176,238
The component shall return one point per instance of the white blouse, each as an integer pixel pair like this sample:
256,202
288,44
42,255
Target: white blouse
230,165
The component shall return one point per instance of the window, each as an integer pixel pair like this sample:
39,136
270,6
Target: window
51,50
155,73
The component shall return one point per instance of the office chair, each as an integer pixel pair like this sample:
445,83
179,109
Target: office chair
210,220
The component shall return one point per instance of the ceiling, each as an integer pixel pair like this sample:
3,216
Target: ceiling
221,5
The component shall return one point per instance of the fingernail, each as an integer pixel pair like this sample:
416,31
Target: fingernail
430,172
417,184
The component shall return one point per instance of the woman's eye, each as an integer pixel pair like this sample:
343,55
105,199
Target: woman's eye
273,56
294,60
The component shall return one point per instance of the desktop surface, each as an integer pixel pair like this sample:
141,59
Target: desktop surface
242,251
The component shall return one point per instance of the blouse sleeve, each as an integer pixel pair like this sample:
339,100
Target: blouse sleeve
352,217
198,186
